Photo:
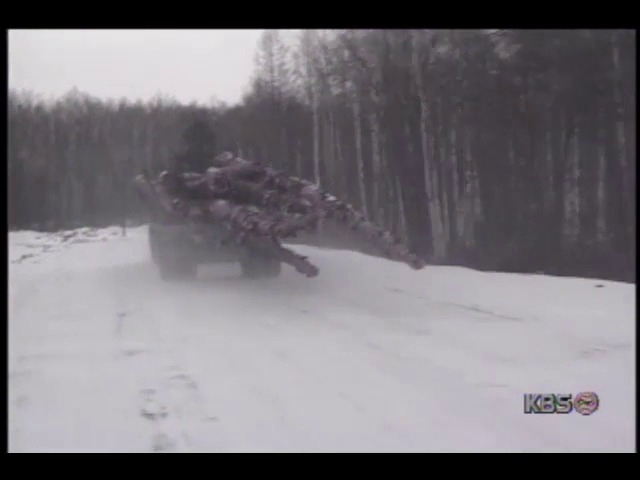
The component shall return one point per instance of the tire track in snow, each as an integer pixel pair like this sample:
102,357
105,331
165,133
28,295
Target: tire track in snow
291,365
169,396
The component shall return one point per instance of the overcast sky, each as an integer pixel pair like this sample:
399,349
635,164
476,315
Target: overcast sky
190,65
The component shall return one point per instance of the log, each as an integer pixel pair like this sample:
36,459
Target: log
247,226
308,197
260,204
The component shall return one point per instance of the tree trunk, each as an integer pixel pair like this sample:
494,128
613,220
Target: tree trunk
340,169
298,154
402,231
375,156
572,192
316,136
441,179
621,138
433,203
454,207
328,158
357,120
549,190
601,207
470,207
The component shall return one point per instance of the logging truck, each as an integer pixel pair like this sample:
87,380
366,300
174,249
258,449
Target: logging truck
178,248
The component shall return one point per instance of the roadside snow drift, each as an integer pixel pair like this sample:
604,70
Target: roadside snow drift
370,356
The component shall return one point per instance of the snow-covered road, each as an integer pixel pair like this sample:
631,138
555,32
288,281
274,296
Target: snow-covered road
369,356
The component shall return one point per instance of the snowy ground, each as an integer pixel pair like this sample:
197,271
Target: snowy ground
369,356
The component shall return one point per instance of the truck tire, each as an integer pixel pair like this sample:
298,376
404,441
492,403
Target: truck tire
155,245
177,269
171,265
255,266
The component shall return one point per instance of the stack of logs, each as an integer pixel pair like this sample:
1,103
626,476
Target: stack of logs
260,206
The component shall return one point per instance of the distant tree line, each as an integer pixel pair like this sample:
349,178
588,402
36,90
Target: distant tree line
497,149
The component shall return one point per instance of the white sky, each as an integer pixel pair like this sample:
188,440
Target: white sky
189,65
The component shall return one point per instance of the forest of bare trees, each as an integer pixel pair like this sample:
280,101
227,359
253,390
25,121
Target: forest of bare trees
507,150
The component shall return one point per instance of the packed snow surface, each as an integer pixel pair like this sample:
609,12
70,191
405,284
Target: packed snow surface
104,356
